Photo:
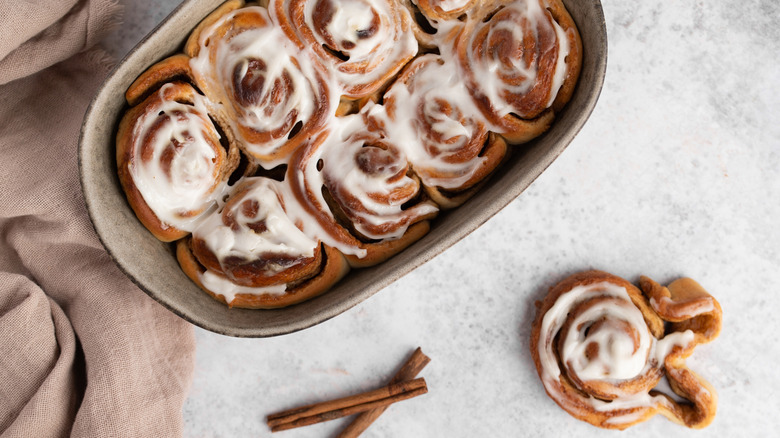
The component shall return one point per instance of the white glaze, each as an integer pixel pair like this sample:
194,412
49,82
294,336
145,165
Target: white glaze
560,62
614,354
438,80
693,308
218,59
229,290
617,358
371,58
281,236
488,73
338,153
192,185
450,5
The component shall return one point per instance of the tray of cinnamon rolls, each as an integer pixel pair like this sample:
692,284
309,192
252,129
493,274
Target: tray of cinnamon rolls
296,156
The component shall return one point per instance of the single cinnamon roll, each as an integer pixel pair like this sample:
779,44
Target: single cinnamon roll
600,348
252,254
520,60
430,114
273,92
171,160
360,189
364,42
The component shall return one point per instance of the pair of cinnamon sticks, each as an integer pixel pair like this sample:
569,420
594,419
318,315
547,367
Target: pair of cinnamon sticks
404,385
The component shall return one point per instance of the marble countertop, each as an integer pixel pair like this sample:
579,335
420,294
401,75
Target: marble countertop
677,173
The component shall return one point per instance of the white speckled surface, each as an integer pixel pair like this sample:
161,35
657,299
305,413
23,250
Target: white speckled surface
677,173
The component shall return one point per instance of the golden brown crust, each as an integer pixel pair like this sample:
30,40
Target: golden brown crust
574,59
495,153
167,70
192,46
334,269
434,11
685,303
381,251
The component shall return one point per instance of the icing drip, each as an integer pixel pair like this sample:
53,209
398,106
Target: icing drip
451,5
174,163
229,290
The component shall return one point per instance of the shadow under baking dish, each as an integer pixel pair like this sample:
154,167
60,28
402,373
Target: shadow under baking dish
151,264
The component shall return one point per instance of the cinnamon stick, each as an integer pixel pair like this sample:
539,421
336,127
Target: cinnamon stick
416,362
330,410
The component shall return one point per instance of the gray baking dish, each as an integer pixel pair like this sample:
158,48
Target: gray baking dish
152,265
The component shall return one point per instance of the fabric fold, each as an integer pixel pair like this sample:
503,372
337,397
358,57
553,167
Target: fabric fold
43,393
36,35
84,352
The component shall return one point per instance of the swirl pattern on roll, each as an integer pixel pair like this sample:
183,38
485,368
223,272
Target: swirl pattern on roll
442,10
365,42
171,162
252,241
601,348
516,59
252,250
430,114
366,184
275,97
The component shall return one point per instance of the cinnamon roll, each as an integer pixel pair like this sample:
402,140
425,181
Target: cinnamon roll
364,42
274,93
520,61
252,254
359,187
172,163
600,347
429,112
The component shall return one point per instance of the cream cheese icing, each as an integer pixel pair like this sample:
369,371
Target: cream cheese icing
175,170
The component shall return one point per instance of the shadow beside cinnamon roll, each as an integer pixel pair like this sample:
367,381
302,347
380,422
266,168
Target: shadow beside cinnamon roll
600,347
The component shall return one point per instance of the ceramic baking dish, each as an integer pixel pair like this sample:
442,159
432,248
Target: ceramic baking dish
152,265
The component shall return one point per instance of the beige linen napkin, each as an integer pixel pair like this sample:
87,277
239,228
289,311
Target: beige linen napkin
83,352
